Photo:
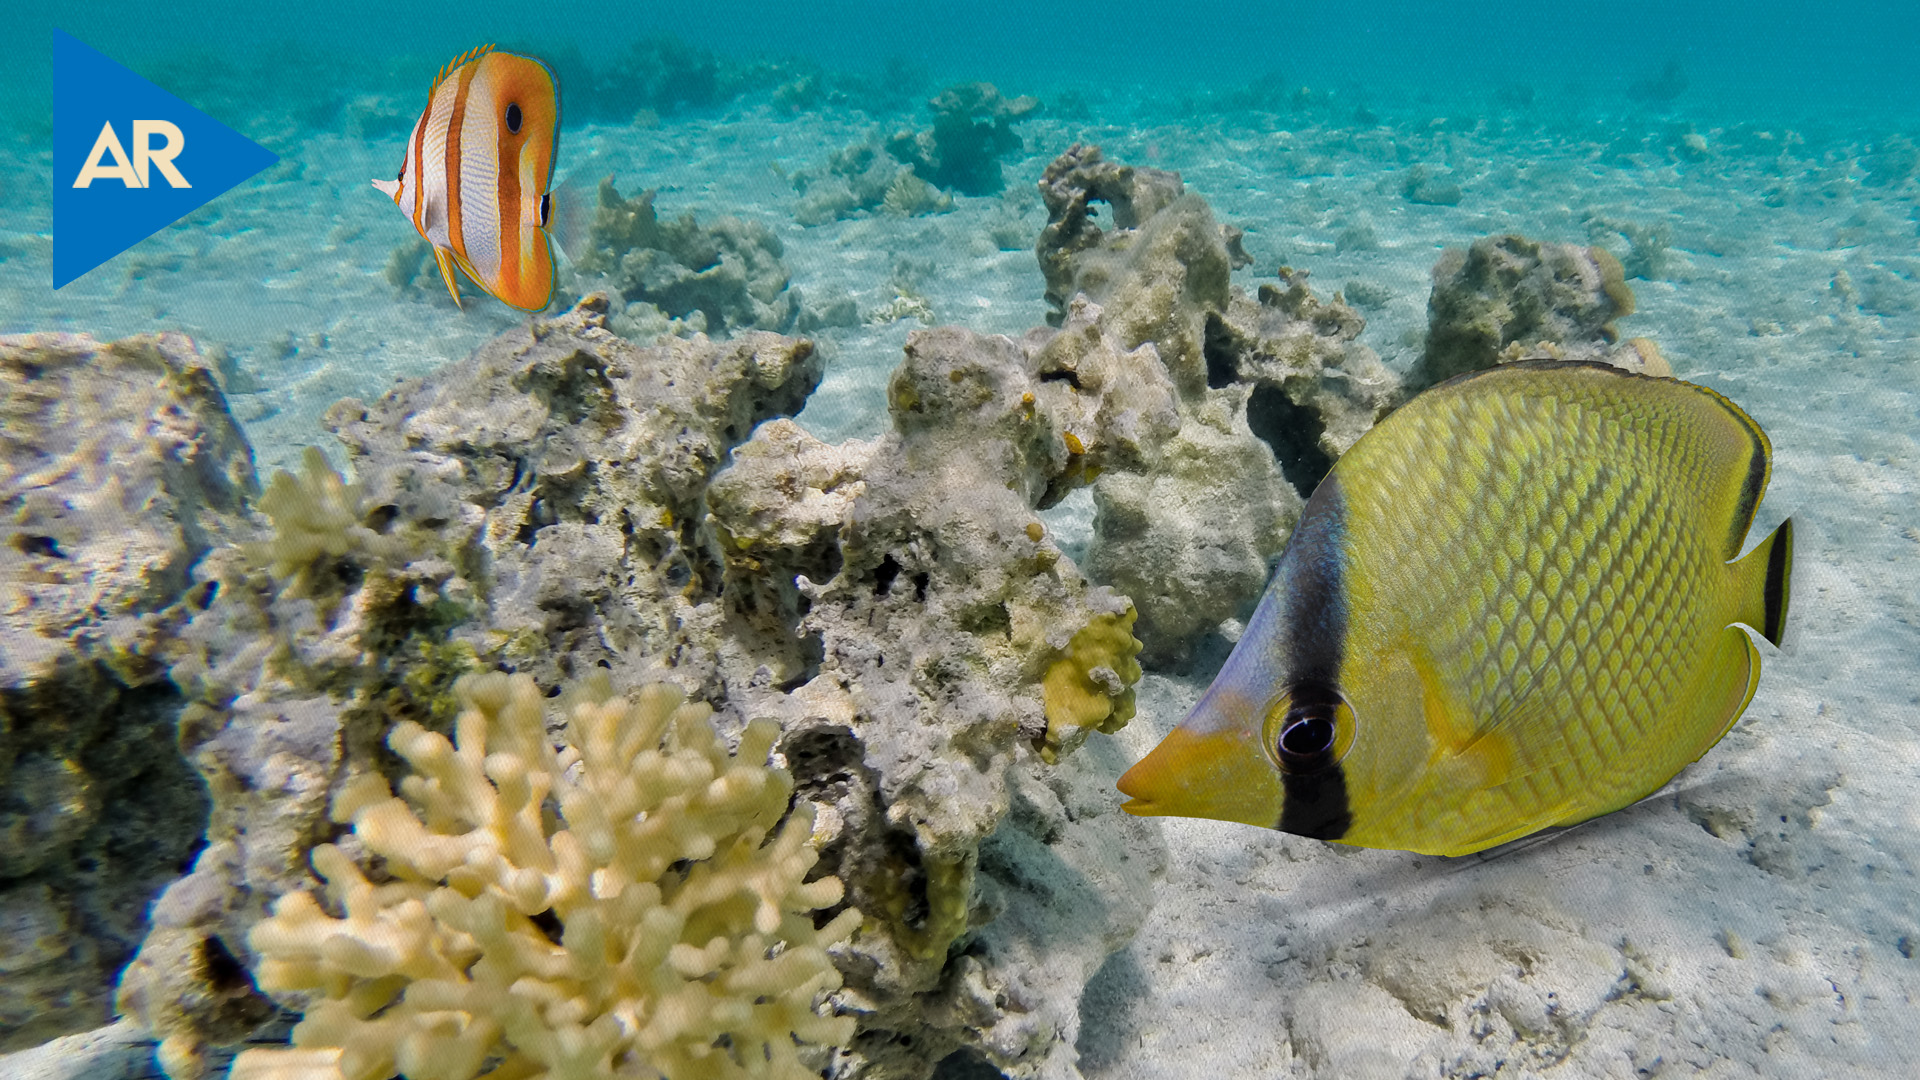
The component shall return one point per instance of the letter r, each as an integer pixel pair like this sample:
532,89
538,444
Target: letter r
144,152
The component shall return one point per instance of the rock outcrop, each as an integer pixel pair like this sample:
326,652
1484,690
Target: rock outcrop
119,470
564,504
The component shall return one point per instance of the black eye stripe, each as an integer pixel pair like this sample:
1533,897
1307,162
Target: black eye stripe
546,207
513,118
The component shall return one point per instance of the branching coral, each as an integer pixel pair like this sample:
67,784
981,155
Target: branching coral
315,516
649,927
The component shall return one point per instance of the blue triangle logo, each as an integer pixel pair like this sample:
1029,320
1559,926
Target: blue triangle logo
129,159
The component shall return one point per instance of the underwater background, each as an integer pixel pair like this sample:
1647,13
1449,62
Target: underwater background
1753,168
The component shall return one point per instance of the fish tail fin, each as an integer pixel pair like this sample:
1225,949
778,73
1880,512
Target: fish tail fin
445,258
1764,579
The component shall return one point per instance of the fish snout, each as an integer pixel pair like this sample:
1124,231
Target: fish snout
1207,770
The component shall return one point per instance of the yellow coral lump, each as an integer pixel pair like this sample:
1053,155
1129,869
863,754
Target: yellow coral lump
1089,685
649,927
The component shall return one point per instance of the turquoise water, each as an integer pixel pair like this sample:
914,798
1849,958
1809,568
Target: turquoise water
1753,165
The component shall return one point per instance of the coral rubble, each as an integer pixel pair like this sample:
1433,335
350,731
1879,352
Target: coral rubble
119,470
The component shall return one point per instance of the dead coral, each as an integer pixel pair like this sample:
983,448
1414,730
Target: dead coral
1190,496
1072,183
1508,298
729,271
861,179
972,130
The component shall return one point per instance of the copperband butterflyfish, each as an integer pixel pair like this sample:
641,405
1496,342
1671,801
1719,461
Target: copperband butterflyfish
477,176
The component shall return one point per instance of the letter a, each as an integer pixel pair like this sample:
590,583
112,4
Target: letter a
121,170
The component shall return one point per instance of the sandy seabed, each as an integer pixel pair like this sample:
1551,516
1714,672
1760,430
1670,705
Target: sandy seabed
1758,917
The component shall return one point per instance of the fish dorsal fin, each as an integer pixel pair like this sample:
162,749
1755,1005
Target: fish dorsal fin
456,63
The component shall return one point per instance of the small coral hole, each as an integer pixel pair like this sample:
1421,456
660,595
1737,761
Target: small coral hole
225,974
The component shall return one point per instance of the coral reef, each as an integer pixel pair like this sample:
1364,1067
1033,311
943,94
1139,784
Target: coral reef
1205,409
660,921
972,130
1072,183
119,470
563,503
719,277
1509,298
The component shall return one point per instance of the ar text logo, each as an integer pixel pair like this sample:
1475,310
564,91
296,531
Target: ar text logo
145,155
129,159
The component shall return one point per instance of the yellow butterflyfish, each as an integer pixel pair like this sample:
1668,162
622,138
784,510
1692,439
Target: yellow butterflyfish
1514,604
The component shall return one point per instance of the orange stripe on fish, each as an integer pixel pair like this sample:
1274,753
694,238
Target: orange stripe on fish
476,177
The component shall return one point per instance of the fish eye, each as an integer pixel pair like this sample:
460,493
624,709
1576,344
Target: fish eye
1305,736
513,118
1309,729
546,207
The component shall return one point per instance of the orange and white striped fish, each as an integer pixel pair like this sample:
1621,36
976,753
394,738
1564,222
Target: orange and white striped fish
476,177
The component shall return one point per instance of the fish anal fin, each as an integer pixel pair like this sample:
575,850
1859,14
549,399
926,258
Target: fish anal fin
1736,649
473,275
444,258
455,64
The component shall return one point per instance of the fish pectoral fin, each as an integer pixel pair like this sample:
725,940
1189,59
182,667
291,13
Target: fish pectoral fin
1526,737
444,258
570,222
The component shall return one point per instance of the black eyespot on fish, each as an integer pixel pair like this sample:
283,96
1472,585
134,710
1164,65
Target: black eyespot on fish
513,118
546,207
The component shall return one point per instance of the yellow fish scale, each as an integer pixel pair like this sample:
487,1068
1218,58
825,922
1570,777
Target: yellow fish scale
1544,616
